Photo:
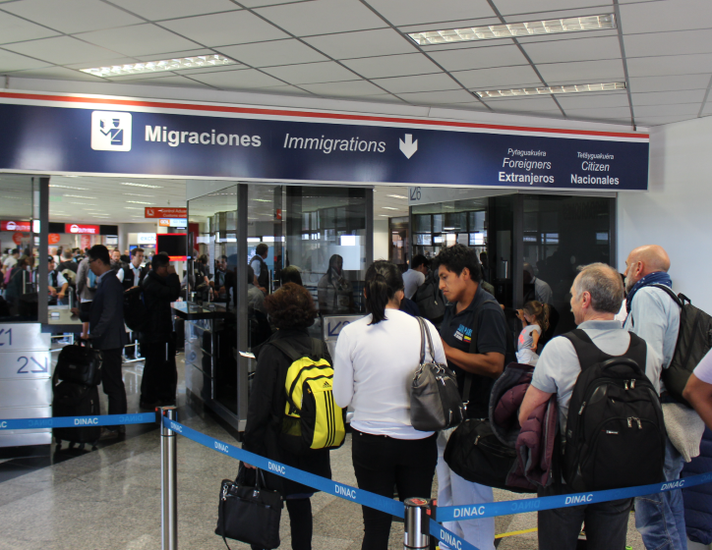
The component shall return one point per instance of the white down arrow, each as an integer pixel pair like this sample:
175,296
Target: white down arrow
408,147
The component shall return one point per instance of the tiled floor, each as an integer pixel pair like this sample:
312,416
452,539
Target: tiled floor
110,498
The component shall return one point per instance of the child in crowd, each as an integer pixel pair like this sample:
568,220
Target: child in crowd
535,320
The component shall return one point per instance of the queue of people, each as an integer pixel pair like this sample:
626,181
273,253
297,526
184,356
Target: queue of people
376,357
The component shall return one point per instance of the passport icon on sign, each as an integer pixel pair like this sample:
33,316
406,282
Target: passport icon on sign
110,131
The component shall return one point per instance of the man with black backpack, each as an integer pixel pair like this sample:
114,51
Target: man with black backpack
655,316
614,441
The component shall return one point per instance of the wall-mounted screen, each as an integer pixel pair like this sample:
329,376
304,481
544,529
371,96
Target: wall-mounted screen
173,244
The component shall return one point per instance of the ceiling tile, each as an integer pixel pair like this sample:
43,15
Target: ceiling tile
605,113
392,65
346,89
670,65
427,12
278,52
362,44
580,49
584,72
668,43
235,27
613,33
10,61
57,72
486,79
669,98
479,58
156,10
423,83
667,110
589,101
320,16
237,80
511,7
146,39
304,73
14,29
64,50
158,80
70,16
707,111
438,98
259,3
534,104
669,83
199,70
666,16
660,120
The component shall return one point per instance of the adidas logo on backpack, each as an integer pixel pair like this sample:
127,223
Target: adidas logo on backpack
312,419
615,433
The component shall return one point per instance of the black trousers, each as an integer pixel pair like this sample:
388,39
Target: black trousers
112,380
381,463
160,375
300,523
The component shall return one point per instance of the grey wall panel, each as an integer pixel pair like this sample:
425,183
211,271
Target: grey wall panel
25,365
25,393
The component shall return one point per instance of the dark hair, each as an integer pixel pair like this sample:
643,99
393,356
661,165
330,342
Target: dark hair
383,280
291,307
101,253
222,257
540,312
250,275
160,260
136,251
261,249
457,257
419,260
290,274
203,259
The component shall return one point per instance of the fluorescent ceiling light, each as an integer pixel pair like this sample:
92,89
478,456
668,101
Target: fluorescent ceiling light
80,197
147,185
58,186
139,202
197,62
138,195
133,208
516,30
389,208
397,197
543,90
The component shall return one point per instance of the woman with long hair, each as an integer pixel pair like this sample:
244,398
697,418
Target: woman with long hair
375,360
291,311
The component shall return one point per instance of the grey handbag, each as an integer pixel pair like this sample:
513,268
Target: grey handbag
435,402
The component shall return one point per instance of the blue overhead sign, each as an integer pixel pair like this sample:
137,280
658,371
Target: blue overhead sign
68,134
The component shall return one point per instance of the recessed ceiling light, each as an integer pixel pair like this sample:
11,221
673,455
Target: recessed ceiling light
58,186
385,215
397,197
80,197
389,208
138,195
133,208
139,202
543,90
197,62
147,185
515,30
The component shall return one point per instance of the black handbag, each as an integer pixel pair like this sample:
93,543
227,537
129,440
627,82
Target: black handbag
249,512
435,402
80,365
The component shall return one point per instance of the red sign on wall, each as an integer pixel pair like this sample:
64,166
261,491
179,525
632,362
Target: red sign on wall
54,238
76,229
15,226
152,212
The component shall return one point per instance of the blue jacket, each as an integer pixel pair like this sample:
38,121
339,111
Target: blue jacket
698,500
106,320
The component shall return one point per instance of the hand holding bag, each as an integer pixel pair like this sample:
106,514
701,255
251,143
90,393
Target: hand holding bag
435,402
249,513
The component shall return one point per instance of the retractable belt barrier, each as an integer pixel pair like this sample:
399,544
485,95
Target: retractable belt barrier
78,421
359,496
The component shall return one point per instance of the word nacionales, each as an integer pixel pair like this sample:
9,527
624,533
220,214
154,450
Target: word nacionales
174,138
593,180
327,145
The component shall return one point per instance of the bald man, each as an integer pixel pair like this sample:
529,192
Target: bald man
655,317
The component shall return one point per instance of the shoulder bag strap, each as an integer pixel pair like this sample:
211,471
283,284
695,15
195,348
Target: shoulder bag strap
421,323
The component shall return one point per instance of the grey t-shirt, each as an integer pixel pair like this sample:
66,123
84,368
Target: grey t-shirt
558,367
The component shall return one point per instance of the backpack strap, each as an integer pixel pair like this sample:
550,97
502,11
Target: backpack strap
678,299
317,349
589,353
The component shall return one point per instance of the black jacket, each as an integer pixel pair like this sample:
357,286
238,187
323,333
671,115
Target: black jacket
106,319
266,409
158,293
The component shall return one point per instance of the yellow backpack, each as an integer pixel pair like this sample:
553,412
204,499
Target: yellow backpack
312,419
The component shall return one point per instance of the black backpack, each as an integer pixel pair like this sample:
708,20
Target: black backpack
430,299
693,342
135,312
615,433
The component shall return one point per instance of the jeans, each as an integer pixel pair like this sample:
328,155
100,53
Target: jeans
606,524
454,491
381,463
660,518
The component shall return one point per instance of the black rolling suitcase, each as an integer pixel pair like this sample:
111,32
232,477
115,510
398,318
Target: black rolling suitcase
80,365
72,399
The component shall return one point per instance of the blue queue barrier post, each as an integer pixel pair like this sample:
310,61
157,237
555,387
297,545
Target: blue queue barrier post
417,524
169,482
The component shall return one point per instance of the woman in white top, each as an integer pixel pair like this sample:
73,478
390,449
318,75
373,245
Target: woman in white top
374,364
